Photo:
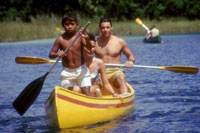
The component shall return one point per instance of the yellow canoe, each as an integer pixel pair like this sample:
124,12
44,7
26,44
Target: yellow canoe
68,109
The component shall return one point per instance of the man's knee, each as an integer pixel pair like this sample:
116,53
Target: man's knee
120,78
77,89
119,81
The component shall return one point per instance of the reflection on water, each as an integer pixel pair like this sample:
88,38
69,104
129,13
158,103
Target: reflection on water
124,123
100,127
165,101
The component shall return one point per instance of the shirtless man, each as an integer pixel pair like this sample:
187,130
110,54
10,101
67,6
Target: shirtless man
111,48
75,71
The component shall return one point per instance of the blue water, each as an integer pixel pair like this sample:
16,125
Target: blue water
166,102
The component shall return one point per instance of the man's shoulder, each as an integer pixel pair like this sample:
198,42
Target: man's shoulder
59,38
118,39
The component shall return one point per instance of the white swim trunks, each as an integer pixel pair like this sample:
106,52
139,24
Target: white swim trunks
79,76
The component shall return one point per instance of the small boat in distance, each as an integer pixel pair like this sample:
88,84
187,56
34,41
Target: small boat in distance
68,109
156,39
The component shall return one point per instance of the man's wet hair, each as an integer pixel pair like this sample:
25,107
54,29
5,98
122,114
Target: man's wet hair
105,20
69,16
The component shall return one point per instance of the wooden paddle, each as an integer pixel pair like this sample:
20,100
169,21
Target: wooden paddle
32,60
32,90
178,69
139,21
59,30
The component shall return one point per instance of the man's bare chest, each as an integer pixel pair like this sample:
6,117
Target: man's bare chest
111,49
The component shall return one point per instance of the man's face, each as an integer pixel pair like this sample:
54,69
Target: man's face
70,26
106,29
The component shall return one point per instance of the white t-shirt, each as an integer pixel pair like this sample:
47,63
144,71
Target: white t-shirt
154,32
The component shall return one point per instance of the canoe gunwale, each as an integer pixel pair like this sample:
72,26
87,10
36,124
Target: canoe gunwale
96,98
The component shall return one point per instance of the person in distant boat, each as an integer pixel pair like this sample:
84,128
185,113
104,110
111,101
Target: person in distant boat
111,47
153,32
97,70
75,70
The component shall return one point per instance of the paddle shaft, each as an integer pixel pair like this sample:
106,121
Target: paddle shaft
139,21
146,28
123,65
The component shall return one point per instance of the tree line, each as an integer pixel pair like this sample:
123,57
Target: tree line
115,9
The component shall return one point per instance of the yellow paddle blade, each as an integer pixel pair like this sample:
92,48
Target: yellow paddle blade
32,60
138,20
181,69
58,29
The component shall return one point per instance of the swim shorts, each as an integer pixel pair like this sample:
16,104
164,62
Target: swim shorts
78,76
112,73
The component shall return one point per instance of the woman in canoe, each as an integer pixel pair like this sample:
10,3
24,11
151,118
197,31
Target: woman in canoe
97,68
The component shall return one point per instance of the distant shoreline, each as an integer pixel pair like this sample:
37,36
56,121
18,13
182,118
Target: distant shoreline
46,28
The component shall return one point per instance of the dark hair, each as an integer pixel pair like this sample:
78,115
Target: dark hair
91,36
152,27
105,20
69,16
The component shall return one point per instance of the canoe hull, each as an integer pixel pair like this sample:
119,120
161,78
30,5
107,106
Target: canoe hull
68,109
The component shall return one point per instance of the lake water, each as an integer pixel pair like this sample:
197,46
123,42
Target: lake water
166,102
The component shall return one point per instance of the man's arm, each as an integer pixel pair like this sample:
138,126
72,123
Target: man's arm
128,53
53,53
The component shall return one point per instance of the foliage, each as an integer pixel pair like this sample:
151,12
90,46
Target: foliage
116,9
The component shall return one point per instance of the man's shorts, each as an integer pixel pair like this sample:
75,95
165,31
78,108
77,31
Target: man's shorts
79,76
112,73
